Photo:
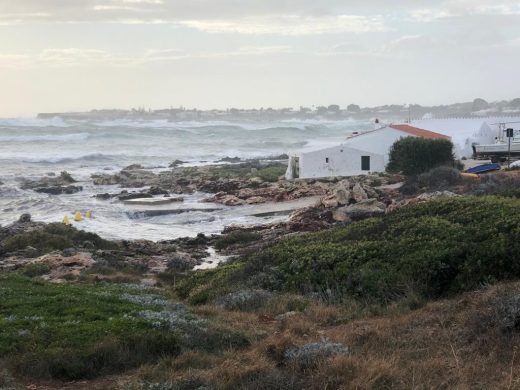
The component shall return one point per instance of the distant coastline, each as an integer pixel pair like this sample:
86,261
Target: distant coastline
477,108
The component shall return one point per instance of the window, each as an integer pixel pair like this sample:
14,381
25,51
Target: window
365,163
327,160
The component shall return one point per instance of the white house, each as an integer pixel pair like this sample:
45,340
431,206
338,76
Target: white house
360,154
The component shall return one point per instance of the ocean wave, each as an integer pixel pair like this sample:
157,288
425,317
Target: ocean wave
34,122
100,157
45,138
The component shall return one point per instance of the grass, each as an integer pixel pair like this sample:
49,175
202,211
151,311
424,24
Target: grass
454,343
77,331
74,331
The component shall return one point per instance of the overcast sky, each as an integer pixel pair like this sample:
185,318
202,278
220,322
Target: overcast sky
61,55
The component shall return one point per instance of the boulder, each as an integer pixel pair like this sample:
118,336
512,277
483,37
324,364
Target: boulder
358,193
363,209
230,200
255,200
24,218
156,190
329,201
339,215
134,195
342,195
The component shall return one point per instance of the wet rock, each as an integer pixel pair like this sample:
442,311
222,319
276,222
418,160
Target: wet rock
309,355
59,190
133,167
230,159
105,196
66,177
155,190
52,185
176,163
24,218
134,195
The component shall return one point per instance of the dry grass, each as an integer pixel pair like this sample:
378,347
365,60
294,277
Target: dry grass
456,343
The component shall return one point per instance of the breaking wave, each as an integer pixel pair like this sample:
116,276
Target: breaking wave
45,138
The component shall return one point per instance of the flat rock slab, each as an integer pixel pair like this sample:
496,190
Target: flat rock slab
282,208
157,213
152,201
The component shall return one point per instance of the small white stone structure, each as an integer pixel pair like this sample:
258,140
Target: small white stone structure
358,155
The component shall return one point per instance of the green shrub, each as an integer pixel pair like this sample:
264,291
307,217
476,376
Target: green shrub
439,178
430,249
54,236
271,173
33,270
414,155
236,237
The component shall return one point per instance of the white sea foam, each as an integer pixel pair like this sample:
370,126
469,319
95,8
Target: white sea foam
45,137
34,122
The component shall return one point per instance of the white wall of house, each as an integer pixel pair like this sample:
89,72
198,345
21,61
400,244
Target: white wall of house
341,160
379,141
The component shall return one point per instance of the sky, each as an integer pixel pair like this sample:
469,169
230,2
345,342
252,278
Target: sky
75,55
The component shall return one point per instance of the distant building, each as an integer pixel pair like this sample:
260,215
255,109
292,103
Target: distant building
358,155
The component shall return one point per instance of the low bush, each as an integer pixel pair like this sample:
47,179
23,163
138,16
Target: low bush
429,250
54,236
415,155
436,179
236,237
271,173
33,270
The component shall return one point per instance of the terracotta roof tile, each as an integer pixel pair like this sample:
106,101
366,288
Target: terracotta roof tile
419,132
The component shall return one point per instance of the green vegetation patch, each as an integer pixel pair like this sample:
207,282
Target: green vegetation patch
70,332
54,236
236,237
75,331
430,249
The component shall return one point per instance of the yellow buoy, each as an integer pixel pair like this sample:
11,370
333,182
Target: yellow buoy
66,220
78,217
88,214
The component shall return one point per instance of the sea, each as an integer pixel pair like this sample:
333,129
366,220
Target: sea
31,148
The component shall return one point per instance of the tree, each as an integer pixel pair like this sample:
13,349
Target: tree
414,155
353,108
515,103
479,104
333,108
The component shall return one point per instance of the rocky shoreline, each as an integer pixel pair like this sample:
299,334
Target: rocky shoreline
341,201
